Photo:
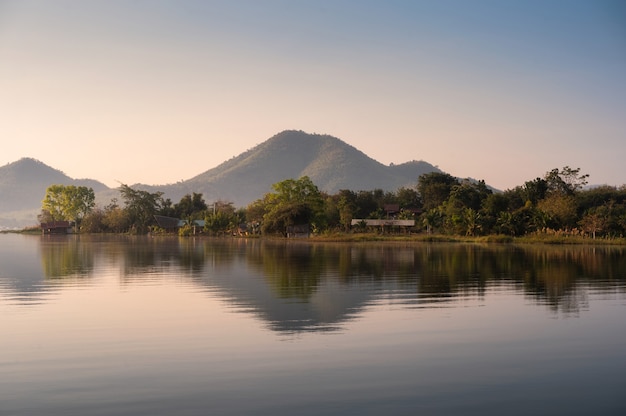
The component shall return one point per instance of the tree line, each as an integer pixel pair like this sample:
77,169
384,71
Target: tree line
439,203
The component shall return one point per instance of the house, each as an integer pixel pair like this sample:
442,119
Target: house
403,225
383,223
391,209
169,224
56,227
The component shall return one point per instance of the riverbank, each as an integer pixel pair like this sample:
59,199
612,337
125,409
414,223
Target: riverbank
337,237
498,239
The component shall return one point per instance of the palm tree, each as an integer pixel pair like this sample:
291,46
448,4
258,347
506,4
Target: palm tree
506,223
471,221
432,219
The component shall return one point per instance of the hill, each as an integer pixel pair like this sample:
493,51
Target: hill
330,163
23,185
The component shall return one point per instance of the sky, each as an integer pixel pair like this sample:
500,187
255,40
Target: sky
157,91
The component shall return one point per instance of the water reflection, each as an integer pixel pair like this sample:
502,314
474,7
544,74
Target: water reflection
63,258
33,269
293,271
300,286
159,326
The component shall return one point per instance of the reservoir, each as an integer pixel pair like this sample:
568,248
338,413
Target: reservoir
120,325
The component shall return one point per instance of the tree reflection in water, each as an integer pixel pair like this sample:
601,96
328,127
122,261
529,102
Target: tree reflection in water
343,277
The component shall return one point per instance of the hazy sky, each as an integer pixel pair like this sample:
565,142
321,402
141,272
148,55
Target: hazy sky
160,91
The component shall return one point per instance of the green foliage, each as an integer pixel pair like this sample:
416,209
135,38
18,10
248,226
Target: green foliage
432,219
140,207
190,206
167,208
435,188
535,190
566,181
556,206
111,219
560,210
594,221
471,221
68,202
332,213
93,222
186,230
469,194
116,219
408,198
462,208
223,220
293,202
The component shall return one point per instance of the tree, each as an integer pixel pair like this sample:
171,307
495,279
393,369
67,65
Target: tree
140,206
347,207
505,223
45,216
469,194
93,222
366,203
566,181
471,221
53,203
293,202
115,218
217,223
432,219
222,218
534,190
190,206
561,210
68,202
167,208
255,212
593,222
491,208
434,188
408,198
464,195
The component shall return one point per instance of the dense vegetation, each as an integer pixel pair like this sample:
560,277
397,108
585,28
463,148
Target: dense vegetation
555,204
67,202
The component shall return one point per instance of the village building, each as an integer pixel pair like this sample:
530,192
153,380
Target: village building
57,227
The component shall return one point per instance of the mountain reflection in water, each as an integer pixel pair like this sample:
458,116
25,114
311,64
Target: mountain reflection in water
139,326
301,286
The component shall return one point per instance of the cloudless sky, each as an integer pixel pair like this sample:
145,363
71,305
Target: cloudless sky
159,91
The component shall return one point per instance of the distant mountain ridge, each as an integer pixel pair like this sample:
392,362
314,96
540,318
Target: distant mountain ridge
23,186
330,163
23,183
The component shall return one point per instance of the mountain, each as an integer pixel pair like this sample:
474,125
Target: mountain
330,163
23,186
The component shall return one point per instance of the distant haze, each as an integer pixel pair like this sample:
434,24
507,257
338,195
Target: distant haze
155,92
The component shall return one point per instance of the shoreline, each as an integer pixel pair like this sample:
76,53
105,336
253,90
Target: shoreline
538,239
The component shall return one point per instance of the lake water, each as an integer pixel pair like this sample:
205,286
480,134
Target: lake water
168,326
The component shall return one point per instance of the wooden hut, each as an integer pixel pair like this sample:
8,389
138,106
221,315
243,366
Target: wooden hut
56,227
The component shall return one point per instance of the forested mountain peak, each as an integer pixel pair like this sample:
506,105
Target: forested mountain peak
331,164
28,168
23,184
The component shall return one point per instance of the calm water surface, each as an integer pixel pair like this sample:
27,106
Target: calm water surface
160,326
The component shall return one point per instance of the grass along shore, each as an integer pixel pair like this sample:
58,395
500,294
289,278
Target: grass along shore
334,236
443,238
